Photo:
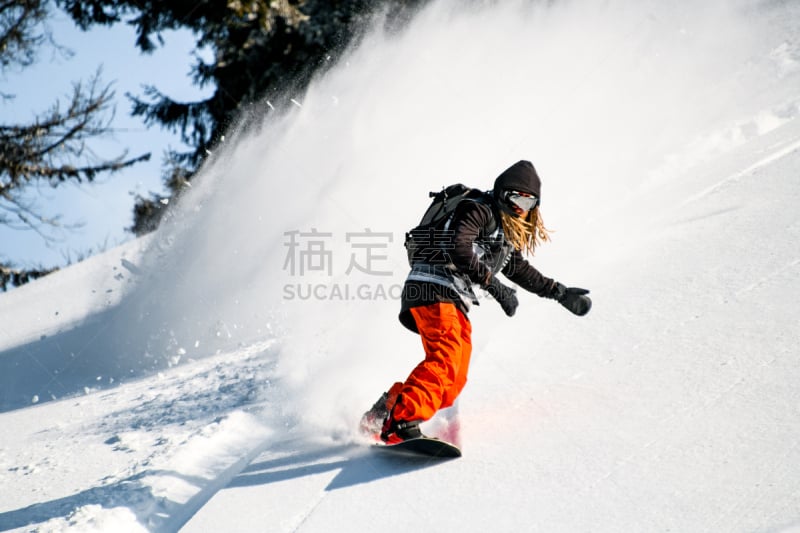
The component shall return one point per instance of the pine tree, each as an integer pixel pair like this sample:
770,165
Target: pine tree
50,150
261,49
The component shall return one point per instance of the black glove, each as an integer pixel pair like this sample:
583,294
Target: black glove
573,298
505,296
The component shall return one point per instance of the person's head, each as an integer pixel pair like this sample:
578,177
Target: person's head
517,193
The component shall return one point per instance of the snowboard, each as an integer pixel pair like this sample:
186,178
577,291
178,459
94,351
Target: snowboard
425,446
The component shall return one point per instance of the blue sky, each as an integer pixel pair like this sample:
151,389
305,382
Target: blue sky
102,209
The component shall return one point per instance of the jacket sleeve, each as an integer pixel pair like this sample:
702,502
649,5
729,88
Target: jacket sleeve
526,276
469,221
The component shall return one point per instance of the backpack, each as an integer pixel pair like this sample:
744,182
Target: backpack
430,235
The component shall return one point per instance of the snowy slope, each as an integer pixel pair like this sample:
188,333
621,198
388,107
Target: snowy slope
206,393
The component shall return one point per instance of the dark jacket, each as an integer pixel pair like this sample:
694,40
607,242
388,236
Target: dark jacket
472,252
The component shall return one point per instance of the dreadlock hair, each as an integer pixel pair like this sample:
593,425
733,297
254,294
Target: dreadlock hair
525,234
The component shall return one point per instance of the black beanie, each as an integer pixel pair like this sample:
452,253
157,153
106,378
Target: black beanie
522,177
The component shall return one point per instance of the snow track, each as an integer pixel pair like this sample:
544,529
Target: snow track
159,448
233,447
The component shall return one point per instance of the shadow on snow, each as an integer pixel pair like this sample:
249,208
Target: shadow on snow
356,464
99,353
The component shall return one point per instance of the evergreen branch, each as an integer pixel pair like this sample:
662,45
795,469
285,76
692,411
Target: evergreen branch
15,277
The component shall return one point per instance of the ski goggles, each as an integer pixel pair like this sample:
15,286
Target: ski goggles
524,201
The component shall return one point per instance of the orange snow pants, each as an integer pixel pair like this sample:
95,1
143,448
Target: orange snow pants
437,381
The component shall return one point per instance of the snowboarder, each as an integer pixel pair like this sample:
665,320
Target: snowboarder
487,234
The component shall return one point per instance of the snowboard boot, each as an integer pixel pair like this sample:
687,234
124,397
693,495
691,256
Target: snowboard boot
372,421
395,431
